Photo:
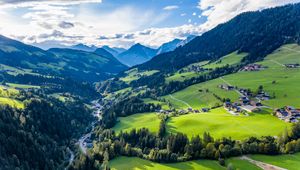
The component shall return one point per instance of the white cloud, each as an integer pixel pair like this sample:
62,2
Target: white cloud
220,11
31,3
171,7
55,21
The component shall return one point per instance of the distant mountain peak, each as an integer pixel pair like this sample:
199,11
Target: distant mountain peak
136,54
84,47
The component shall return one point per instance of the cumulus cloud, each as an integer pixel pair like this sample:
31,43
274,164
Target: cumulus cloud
65,25
220,11
171,7
56,21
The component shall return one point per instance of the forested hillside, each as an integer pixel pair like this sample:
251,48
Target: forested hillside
256,33
67,63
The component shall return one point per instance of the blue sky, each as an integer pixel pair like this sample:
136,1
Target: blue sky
120,23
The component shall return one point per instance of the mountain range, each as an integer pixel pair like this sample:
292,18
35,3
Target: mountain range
77,64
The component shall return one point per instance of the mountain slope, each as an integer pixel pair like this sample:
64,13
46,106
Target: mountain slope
83,47
87,66
257,33
169,46
114,51
103,52
79,65
172,45
135,55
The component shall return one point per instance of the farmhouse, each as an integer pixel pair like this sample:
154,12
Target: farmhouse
244,100
253,67
205,109
164,111
292,65
232,107
246,92
226,87
263,96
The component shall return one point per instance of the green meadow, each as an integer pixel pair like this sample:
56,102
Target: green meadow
200,95
133,163
230,59
133,75
222,124
22,86
7,97
290,162
277,80
130,163
138,121
240,164
182,76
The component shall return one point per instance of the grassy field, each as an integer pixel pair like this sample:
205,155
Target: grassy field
222,124
133,75
290,162
11,102
201,95
186,75
156,102
237,163
229,59
126,163
138,121
284,90
287,80
7,96
182,76
130,163
22,86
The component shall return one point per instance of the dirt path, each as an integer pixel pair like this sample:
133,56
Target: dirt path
231,85
172,97
276,62
262,165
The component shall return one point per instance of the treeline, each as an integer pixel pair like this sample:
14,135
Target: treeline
54,84
178,147
36,138
111,85
125,107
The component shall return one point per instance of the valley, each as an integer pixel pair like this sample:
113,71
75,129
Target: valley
226,99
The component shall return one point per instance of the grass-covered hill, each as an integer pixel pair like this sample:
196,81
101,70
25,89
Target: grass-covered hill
256,33
75,64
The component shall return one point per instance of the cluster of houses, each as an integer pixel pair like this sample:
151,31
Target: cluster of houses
243,105
288,114
184,111
292,65
193,68
253,67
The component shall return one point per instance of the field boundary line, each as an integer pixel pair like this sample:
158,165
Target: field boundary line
290,49
172,97
230,85
263,165
276,62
